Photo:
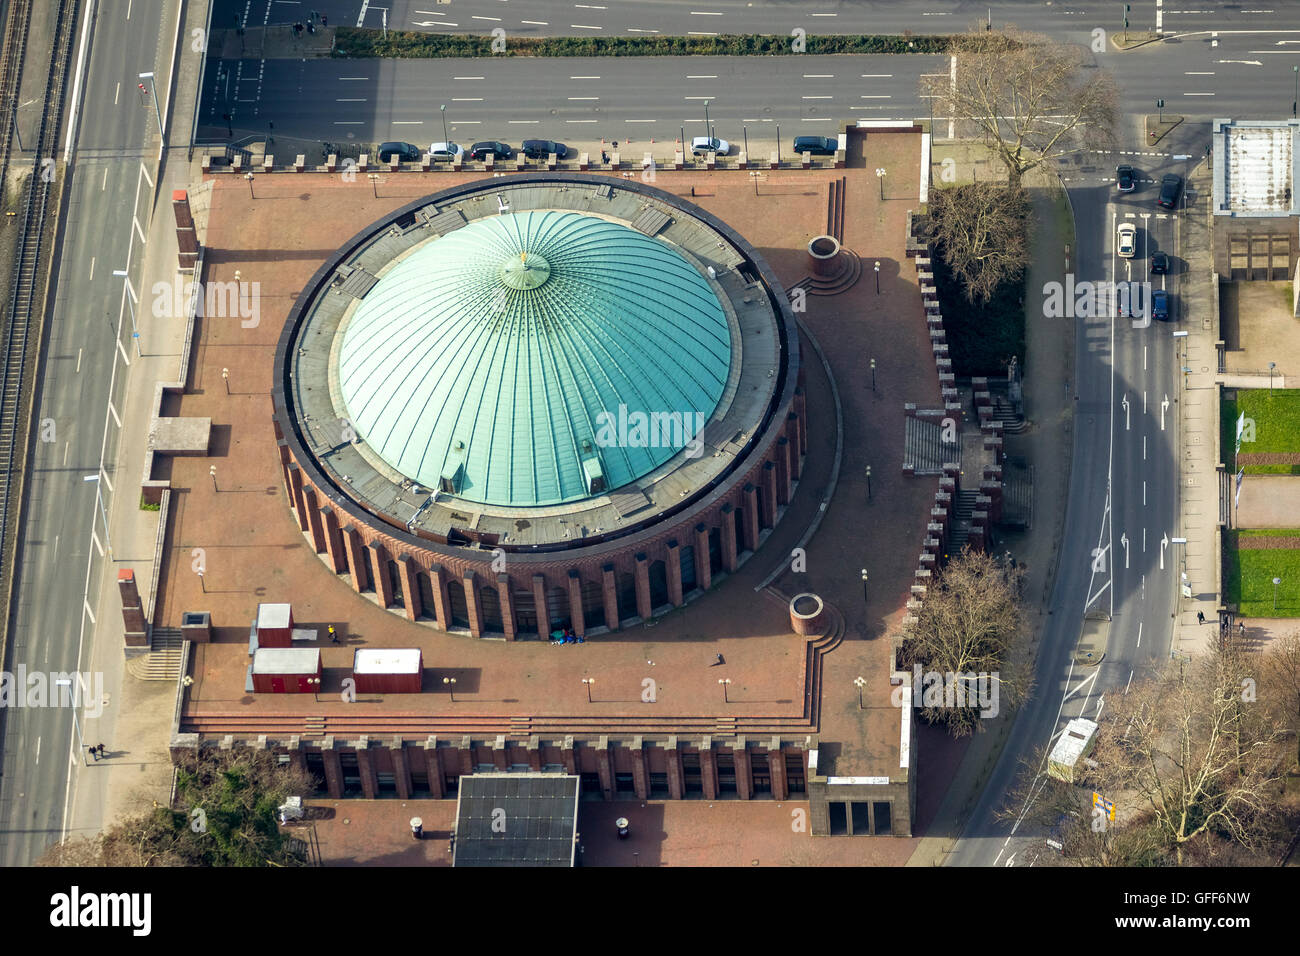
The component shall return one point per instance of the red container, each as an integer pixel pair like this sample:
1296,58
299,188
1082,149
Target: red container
274,625
286,670
388,670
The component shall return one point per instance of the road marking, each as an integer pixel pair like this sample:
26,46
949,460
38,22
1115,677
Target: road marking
583,98
522,122
1130,681
640,121
1139,643
875,96
1144,447
116,92
698,97
493,19
1189,73
1198,94
822,97
344,78
89,612
536,23
467,77
698,33
635,30
92,270
467,99
823,14
355,99
588,6
585,121
704,13
409,122
1144,492
819,76
584,26
78,361
586,78
878,76
702,76
347,123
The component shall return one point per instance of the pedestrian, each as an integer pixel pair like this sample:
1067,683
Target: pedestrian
718,661
94,753
311,27
1200,617
1242,625
334,638
101,751
692,192
324,20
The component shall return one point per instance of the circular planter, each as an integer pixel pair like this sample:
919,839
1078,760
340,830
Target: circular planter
823,255
807,614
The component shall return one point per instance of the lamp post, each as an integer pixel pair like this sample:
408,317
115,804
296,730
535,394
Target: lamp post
880,174
588,681
868,482
1276,582
130,302
724,681
1271,367
1296,71
212,472
249,176
778,145
99,500
859,683
81,741
878,264
450,684
708,134
445,137
873,361
162,131
864,584
225,376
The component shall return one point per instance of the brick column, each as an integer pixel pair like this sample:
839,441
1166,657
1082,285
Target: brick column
709,768
314,524
794,433
643,607
366,767
465,755
676,786
357,561
441,603
469,584
506,595
334,540
576,612
802,412
401,768
410,587
744,771
282,446
534,753
500,753
728,538
569,756
333,768
703,569
609,594
776,769
299,503
749,499
640,768
433,767
605,767
673,567
379,573
539,599
769,494
784,486
136,629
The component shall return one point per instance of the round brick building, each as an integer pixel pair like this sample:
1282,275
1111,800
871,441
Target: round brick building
545,401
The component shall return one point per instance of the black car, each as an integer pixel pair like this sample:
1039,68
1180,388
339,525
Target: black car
1125,179
817,145
405,152
1159,263
480,151
542,148
1160,305
1170,188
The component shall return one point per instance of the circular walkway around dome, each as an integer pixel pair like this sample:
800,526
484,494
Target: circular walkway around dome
498,355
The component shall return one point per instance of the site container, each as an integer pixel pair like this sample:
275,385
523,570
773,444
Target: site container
388,670
286,670
274,625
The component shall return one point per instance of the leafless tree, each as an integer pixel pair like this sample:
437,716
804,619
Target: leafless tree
969,623
981,231
1281,688
1032,99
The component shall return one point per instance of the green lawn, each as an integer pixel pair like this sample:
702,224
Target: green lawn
1248,578
1276,420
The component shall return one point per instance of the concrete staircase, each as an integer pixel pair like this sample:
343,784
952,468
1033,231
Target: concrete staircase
963,509
924,448
163,662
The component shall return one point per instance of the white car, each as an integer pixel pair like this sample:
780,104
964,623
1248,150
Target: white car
1127,239
703,145
446,153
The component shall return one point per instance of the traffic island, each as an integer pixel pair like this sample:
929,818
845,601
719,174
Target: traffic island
1091,648
1158,126
1131,39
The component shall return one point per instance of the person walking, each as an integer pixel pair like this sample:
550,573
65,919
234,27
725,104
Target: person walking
334,638
1200,617
101,751
94,753
718,661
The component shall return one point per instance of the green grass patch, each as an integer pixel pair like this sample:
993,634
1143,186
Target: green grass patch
1272,469
1248,579
354,42
1276,418
145,506
1268,533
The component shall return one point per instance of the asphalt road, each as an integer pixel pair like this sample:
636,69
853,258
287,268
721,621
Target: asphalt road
58,555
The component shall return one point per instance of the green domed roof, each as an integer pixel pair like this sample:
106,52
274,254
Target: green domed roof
493,356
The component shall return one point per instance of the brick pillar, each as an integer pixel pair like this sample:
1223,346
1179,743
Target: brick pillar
282,446
334,540
709,768
534,753
784,487
703,569
569,756
410,586
643,587
433,767
769,494
605,767
137,634
366,767
379,573
749,500
333,768
801,410
401,768
187,243
744,771
728,538
441,604
792,432
357,562
506,595
469,584
673,566
776,769
500,754
299,502
609,594
640,768
465,756
314,524
676,786
576,611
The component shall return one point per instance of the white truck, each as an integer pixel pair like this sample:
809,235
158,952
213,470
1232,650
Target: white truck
1073,746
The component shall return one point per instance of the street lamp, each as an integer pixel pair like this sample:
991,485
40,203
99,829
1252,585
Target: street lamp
724,681
130,301
708,133
859,683
873,361
588,681
450,684
445,137
880,174
1276,582
225,375
249,176
1271,366
864,584
878,263
213,473
81,741
1296,71
99,499
162,131
868,482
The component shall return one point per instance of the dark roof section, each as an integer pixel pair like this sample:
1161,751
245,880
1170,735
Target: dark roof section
516,819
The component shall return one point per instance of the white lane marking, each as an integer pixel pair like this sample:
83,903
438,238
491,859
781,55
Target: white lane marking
584,78
117,92
1139,643
92,270
1198,94
1130,681
104,182
704,13
821,97
699,33
701,76
584,26
366,78
79,361
467,77
875,96
1189,73
467,99
493,19
877,76
819,76
355,99
411,122
583,98
536,23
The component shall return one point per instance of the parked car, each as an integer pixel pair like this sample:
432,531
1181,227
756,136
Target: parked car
1170,188
1159,264
446,153
405,152
542,148
817,145
1125,179
480,151
1127,240
1160,305
703,145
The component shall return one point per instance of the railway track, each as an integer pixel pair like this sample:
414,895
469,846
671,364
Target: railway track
24,310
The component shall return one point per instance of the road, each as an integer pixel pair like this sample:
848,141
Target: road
59,556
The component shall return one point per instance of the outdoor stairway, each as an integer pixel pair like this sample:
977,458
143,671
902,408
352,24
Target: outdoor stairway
1017,494
1005,412
163,662
961,520
845,279
924,449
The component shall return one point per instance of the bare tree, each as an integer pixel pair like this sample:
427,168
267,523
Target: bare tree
968,628
1282,685
1196,751
1032,99
981,231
